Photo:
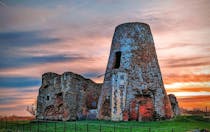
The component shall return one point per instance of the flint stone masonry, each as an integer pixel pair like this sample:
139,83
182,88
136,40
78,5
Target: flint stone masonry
174,104
133,88
67,97
119,84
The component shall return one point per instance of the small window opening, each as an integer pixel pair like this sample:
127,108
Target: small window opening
48,97
117,59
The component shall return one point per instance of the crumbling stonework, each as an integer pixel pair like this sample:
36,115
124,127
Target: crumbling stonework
67,97
174,104
133,88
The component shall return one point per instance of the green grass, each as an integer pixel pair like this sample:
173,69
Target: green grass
179,124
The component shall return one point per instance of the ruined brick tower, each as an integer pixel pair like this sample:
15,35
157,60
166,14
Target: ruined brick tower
133,88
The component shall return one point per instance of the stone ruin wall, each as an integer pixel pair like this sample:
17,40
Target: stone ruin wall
174,104
67,97
133,88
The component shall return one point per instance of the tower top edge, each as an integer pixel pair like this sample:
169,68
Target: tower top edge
132,24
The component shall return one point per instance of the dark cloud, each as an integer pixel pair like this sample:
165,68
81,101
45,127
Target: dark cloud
193,64
25,38
185,44
19,82
186,61
34,3
19,61
8,100
11,42
171,78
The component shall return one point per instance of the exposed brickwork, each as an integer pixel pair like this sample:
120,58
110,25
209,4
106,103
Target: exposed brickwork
134,110
146,109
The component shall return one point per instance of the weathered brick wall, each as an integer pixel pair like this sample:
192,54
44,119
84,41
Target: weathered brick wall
133,54
67,97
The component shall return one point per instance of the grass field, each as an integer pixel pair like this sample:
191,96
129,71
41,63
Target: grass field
179,124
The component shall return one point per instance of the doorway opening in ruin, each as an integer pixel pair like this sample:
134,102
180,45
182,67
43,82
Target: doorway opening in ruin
117,59
48,97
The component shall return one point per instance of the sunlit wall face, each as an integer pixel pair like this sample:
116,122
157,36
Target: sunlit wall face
38,36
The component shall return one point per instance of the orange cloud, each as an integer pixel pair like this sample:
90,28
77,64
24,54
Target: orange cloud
192,102
186,78
15,100
188,90
80,66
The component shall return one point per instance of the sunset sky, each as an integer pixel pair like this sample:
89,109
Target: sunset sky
38,36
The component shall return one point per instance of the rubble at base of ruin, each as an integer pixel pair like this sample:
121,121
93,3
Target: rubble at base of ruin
67,97
132,89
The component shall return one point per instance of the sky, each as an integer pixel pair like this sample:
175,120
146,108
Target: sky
38,36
